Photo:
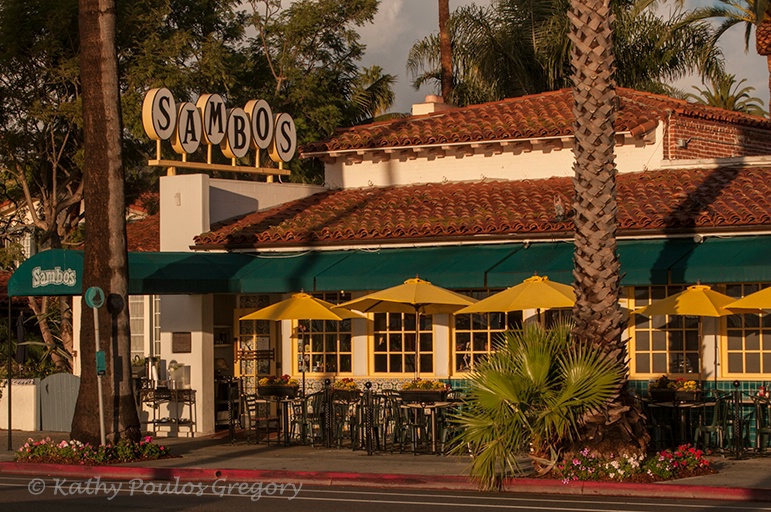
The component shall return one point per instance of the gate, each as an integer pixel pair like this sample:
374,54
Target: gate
58,394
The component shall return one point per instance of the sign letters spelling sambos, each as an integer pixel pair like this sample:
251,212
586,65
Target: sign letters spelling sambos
209,121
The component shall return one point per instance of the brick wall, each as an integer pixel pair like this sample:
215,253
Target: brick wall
699,138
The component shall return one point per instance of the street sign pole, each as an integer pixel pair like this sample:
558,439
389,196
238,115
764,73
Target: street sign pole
95,299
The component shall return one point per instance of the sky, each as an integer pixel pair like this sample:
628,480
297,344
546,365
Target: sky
400,23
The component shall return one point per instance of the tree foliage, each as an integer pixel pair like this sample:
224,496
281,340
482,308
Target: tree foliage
528,398
517,47
725,92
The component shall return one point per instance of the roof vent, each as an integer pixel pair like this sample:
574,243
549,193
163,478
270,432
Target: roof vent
433,103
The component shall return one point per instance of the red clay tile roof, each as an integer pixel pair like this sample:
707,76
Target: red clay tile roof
144,235
653,201
540,115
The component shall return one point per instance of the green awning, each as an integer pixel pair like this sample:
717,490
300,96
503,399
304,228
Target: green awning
646,262
275,273
551,259
454,267
643,262
741,259
48,273
157,273
60,272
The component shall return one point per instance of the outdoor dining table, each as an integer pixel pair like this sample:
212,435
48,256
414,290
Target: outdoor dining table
283,404
422,410
680,415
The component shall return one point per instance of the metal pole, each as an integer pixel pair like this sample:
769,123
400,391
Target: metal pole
8,377
99,379
417,342
303,368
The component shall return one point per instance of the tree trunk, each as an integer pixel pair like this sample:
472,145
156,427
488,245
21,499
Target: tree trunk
105,258
445,49
763,41
40,310
597,314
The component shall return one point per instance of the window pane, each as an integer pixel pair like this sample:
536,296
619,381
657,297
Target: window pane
659,363
642,362
752,362
426,363
659,340
752,340
735,363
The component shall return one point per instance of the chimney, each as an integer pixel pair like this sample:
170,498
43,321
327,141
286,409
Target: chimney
432,104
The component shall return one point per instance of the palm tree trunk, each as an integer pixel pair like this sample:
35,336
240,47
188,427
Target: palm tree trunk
445,49
597,314
105,257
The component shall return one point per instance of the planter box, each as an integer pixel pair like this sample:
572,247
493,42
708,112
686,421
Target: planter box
662,395
423,395
276,390
349,395
688,396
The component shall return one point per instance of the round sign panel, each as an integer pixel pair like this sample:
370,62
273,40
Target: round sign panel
214,113
261,116
159,114
187,136
94,297
284,140
238,136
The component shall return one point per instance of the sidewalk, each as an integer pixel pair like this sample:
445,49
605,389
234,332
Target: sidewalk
214,457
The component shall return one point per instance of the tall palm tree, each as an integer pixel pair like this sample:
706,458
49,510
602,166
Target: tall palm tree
445,48
726,93
372,93
516,47
105,260
597,314
752,13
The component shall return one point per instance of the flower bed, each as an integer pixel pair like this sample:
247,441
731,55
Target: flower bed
48,451
685,461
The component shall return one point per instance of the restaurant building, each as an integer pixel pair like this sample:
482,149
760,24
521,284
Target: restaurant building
472,199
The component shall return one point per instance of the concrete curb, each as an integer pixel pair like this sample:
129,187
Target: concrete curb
432,482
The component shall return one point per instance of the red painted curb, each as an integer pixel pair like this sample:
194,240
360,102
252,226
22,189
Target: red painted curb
436,482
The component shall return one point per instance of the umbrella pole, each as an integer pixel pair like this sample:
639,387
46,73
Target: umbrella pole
417,343
714,356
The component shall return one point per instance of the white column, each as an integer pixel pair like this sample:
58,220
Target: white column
442,345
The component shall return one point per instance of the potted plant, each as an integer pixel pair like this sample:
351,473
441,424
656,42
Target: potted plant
662,389
281,386
422,390
346,389
687,390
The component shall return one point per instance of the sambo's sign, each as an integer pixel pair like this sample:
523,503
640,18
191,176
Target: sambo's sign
209,121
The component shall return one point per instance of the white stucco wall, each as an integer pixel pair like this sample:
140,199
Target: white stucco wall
508,165
229,198
25,405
